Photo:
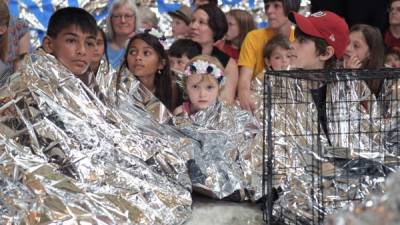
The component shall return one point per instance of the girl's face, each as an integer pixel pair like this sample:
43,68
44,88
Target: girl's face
357,47
392,61
200,32
143,61
233,28
98,50
279,59
201,92
123,21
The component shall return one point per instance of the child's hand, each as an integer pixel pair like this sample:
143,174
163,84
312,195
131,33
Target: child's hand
352,63
245,102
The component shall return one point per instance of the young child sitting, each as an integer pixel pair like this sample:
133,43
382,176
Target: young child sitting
226,165
181,51
392,58
202,84
276,53
146,70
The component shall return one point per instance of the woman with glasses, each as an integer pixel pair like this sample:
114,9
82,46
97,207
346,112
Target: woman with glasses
122,22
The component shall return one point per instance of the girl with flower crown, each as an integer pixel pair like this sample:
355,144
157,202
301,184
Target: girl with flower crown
202,81
225,166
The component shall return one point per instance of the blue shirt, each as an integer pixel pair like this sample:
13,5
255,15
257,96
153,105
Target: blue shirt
115,56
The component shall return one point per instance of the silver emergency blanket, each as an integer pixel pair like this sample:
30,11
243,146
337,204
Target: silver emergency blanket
328,150
67,158
132,101
377,209
389,106
232,136
229,163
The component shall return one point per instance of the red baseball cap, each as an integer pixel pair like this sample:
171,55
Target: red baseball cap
326,25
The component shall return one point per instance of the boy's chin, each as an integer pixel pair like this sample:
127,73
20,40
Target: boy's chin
80,72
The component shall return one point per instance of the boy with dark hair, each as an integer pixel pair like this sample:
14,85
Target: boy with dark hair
181,51
320,40
70,35
251,59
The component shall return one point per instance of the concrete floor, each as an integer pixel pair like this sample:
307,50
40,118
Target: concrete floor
211,212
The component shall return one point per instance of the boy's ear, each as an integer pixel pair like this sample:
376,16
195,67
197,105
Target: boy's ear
48,44
266,63
329,52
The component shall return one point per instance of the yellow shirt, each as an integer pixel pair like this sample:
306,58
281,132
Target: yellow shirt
251,52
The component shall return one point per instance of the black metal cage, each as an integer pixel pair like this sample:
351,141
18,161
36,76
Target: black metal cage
331,138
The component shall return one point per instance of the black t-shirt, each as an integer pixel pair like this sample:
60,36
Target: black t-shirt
221,56
319,97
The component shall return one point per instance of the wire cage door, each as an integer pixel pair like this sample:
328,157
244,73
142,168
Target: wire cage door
330,139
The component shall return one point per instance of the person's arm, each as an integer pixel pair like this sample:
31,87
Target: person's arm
231,74
245,76
247,63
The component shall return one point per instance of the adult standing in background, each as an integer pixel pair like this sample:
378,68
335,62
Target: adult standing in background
392,34
122,22
208,26
251,59
18,41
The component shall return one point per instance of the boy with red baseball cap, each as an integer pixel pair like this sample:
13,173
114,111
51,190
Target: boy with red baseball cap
320,39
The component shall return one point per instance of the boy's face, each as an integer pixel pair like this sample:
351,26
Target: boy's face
178,64
72,48
279,59
394,13
201,93
303,55
179,28
276,14
98,51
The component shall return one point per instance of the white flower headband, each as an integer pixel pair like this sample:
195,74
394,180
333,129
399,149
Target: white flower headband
156,33
204,67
